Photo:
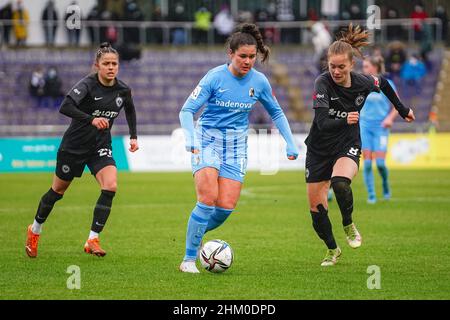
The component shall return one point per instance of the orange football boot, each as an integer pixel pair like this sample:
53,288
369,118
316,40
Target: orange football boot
92,246
32,243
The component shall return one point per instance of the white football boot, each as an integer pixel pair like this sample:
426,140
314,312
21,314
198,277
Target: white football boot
354,239
189,267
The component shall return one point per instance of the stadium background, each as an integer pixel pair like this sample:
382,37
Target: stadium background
168,45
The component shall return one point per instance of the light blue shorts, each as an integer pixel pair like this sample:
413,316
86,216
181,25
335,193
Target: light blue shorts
374,138
227,152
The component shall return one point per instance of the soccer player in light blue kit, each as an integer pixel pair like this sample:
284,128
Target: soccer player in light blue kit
376,119
219,141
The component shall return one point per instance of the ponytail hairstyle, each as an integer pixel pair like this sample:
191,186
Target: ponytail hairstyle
104,48
349,42
248,34
377,62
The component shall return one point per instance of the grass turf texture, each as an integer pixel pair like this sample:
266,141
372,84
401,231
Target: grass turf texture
277,253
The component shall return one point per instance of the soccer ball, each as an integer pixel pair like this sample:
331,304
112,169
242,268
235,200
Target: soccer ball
216,256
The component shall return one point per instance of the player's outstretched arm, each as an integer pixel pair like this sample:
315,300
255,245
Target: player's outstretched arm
130,115
283,126
389,92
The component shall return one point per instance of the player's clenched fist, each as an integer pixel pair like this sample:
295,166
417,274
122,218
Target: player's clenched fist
133,145
100,123
353,117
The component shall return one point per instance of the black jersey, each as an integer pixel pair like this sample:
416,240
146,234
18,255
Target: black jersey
330,133
87,100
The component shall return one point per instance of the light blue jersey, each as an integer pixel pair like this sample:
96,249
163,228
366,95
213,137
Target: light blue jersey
221,132
229,99
376,109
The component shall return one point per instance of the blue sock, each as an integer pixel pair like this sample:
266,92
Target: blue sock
196,229
368,178
384,173
218,217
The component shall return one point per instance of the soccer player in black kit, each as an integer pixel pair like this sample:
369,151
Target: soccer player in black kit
93,104
334,143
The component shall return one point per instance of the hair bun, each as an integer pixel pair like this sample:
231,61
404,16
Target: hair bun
248,28
105,45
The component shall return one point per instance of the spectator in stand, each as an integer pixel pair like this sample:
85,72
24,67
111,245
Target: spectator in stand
132,13
394,32
53,88
285,13
441,14
202,24
355,12
270,34
321,40
426,45
94,32
223,24
73,35
49,23
395,58
178,14
312,14
20,18
156,34
418,15
36,85
6,14
108,33
411,73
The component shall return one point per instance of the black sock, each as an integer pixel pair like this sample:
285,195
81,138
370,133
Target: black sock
46,205
322,225
102,210
344,198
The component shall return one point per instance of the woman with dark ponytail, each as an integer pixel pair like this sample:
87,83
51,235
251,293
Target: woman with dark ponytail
92,104
334,143
219,141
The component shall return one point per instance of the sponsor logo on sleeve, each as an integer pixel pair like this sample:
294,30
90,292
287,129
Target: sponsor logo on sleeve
376,81
196,93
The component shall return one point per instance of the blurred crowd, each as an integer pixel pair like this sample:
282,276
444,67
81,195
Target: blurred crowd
207,16
45,87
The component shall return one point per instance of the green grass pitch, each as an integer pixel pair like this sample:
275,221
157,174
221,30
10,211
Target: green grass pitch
277,253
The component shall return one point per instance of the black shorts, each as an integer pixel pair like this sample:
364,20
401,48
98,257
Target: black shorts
320,168
69,165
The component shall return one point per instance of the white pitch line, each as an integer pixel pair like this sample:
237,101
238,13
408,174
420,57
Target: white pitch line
70,208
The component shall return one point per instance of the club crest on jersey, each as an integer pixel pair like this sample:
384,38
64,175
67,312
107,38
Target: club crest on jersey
119,101
251,92
359,100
